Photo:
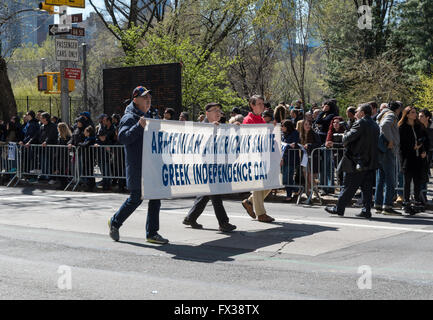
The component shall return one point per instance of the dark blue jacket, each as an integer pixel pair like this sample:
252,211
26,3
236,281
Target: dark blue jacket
31,132
291,157
324,120
131,136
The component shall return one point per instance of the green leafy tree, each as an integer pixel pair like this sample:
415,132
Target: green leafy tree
413,37
425,93
204,75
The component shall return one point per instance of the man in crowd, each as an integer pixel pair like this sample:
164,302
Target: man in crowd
106,136
373,105
131,132
255,204
183,116
389,148
235,112
86,115
359,162
350,113
49,136
213,115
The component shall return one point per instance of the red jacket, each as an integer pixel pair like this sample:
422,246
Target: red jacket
253,119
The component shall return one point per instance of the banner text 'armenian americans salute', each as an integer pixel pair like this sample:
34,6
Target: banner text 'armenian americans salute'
183,159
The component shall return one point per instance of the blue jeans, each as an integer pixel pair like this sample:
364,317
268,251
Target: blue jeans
129,206
288,173
385,180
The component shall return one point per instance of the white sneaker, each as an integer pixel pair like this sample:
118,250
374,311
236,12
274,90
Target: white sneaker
52,181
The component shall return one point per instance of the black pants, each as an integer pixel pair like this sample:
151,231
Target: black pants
201,202
416,176
352,181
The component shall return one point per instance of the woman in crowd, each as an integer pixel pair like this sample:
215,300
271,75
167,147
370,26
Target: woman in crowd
62,158
334,140
425,117
310,140
290,161
87,156
78,134
413,150
280,114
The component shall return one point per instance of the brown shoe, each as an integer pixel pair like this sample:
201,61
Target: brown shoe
265,218
249,207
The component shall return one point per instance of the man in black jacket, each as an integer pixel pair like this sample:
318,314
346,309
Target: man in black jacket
106,136
48,136
359,163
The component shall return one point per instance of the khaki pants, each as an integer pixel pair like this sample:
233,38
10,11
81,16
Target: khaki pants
257,198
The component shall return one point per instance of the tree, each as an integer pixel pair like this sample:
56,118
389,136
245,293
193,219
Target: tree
119,16
297,24
413,37
255,46
360,64
203,79
425,93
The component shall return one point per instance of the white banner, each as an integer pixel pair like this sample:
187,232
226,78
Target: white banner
184,158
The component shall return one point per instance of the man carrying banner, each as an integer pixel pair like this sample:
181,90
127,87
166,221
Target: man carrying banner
213,115
130,134
255,204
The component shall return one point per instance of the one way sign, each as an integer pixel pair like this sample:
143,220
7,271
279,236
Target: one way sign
54,29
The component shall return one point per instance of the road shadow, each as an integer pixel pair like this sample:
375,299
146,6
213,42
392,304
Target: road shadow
237,242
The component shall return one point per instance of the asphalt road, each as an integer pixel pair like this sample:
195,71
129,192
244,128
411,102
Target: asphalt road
55,245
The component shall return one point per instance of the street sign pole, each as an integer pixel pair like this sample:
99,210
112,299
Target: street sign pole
85,75
64,90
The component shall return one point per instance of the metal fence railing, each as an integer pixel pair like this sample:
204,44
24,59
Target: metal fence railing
105,162
8,160
302,173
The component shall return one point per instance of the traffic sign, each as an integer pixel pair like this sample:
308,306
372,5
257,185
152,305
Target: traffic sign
74,31
73,73
54,29
67,50
69,3
79,32
76,18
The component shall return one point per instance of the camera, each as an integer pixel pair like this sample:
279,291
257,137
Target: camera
337,138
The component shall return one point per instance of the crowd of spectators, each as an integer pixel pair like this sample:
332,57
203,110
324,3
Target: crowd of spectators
47,131
302,129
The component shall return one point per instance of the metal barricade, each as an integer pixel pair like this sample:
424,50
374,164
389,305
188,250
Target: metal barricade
47,162
294,173
104,162
9,161
323,163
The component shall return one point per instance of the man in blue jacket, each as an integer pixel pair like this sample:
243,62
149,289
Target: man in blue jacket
130,134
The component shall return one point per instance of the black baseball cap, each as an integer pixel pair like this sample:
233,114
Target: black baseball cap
140,91
213,104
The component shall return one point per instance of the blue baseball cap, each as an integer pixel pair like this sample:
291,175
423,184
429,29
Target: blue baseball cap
140,91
